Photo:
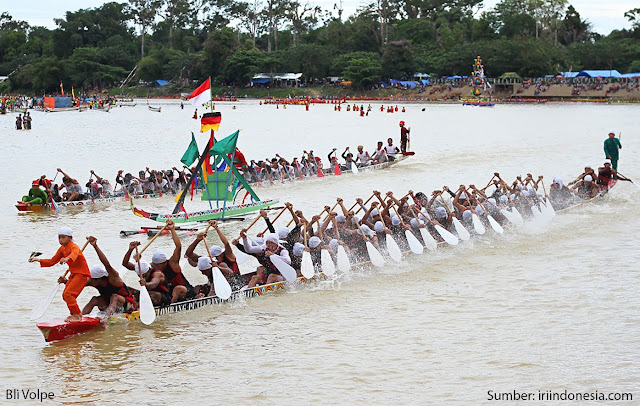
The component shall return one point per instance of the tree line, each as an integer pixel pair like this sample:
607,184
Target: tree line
230,41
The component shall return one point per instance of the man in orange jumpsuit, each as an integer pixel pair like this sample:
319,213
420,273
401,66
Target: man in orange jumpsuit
69,253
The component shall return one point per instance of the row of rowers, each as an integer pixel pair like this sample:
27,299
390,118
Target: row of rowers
167,284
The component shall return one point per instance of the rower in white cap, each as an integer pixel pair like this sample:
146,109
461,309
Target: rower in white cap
114,295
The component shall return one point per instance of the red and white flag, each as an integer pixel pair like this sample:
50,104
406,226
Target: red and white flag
202,94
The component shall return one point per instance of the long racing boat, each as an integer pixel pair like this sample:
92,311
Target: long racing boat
60,329
25,207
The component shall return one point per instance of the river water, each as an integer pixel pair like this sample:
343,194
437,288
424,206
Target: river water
548,307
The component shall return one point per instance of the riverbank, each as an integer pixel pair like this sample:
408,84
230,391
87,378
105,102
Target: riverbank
435,93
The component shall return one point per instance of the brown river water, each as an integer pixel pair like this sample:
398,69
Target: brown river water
549,307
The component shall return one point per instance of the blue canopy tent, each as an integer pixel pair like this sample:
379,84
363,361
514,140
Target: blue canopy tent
631,75
260,81
595,73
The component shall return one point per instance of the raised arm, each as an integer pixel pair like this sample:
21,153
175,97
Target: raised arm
126,260
228,253
175,258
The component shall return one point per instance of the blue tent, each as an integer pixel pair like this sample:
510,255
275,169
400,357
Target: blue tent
569,74
631,75
260,81
604,73
162,82
455,77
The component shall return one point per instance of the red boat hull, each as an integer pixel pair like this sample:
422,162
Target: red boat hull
60,329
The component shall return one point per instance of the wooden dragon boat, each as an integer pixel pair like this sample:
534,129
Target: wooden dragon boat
24,207
60,329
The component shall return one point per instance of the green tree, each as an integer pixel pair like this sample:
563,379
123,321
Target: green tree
242,65
363,71
398,60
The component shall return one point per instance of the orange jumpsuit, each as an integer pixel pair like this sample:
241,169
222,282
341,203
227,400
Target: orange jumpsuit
79,273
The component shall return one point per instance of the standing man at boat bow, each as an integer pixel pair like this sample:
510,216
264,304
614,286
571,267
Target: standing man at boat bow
404,136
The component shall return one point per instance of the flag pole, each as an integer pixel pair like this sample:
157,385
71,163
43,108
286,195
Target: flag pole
226,189
205,153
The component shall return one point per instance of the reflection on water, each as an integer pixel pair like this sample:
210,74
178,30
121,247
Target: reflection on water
546,306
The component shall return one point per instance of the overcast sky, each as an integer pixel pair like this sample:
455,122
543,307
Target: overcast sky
604,16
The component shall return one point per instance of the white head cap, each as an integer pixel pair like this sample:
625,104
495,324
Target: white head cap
588,178
513,196
492,201
558,181
504,199
395,220
422,218
158,257
204,263
588,166
272,238
283,232
607,161
314,242
463,196
354,219
479,209
374,212
466,215
298,249
65,231
145,267
215,250
334,244
378,227
340,218
98,271
414,223
441,212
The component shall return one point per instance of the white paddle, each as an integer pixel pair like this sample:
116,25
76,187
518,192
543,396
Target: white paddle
512,218
285,269
515,211
414,244
550,208
306,266
328,267
354,168
446,235
477,224
343,260
220,283
42,307
462,232
147,312
374,255
393,249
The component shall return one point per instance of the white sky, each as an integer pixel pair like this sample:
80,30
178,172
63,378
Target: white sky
604,16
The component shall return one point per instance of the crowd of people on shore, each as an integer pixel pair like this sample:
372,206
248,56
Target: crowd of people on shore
387,224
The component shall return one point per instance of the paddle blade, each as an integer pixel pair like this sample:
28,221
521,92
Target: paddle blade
393,249
495,225
518,216
147,313
477,224
328,267
414,244
374,255
241,257
354,169
221,285
536,212
285,269
428,239
320,173
462,232
42,307
512,218
550,209
446,235
306,267
343,260
336,170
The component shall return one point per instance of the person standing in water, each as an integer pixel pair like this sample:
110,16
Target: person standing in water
404,137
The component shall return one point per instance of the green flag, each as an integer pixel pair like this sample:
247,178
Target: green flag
192,153
225,146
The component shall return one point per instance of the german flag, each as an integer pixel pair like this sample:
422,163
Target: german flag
210,121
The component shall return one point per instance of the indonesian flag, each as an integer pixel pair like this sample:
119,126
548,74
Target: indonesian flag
202,94
210,121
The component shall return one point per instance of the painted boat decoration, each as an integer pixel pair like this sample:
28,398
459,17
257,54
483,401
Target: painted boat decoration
205,215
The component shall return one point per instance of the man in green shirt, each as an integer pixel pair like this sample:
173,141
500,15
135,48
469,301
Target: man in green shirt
36,195
611,147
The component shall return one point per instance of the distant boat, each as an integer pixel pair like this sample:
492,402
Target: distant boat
156,109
